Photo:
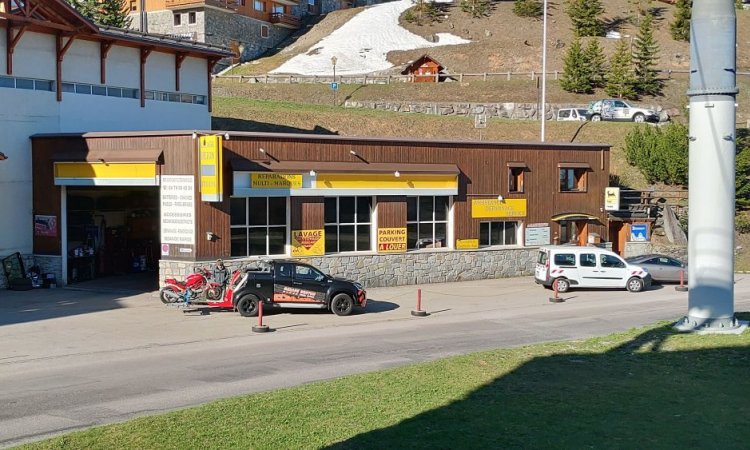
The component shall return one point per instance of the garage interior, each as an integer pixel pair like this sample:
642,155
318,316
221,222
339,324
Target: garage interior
112,231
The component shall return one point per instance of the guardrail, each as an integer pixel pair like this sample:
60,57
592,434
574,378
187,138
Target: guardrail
388,79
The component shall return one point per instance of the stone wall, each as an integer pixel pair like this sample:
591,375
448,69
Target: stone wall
492,110
439,266
223,27
47,264
644,248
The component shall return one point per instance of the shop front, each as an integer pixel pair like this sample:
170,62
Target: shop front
385,211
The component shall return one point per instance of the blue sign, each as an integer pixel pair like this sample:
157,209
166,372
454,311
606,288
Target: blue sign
639,232
334,86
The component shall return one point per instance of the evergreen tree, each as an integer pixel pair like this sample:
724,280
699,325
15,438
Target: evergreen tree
586,17
620,81
87,8
645,55
680,27
594,56
476,8
528,8
113,13
576,75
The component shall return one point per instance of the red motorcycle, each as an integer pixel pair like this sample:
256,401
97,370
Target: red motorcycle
197,287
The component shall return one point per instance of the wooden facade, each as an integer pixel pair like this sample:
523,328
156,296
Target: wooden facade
484,172
424,70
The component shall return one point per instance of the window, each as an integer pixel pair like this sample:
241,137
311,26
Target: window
568,232
98,90
572,179
7,82
307,273
284,270
83,89
114,92
426,222
498,233
133,5
68,87
177,20
565,259
279,9
258,226
259,6
264,31
563,114
611,261
348,223
191,17
515,179
587,260
43,85
24,83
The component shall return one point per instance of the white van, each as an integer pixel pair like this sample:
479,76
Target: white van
587,267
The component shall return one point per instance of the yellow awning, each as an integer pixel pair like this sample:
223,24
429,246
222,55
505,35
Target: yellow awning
573,216
106,174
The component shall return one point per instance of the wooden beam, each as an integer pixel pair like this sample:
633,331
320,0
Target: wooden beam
104,47
60,50
178,59
12,40
211,64
32,21
145,51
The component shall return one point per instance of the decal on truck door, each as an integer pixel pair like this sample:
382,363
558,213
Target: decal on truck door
285,294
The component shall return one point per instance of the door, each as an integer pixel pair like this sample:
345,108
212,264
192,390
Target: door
588,270
613,272
310,283
621,111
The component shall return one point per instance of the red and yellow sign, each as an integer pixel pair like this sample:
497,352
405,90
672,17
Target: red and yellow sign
493,208
467,244
210,169
308,242
391,240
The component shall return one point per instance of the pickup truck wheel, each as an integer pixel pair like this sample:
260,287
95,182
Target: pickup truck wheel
248,306
639,118
342,304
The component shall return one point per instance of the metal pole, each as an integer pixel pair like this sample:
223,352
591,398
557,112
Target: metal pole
543,108
712,93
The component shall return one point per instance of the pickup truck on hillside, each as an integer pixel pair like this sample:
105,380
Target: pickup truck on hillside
290,284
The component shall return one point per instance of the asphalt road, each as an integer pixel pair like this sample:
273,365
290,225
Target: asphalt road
71,359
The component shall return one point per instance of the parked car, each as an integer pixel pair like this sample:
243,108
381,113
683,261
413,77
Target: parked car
663,268
619,110
289,284
587,267
576,114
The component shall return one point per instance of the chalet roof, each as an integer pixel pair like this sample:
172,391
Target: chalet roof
57,16
421,60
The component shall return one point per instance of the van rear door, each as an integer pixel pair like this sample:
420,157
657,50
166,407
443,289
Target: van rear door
541,271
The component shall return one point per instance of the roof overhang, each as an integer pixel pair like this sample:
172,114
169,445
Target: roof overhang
136,167
573,216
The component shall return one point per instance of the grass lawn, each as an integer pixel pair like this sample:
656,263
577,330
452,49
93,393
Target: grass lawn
646,388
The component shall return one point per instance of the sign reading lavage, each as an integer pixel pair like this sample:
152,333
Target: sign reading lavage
269,180
537,234
283,294
210,168
177,209
467,244
308,242
492,208
391,240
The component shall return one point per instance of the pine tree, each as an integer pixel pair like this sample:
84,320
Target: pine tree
595,60
576,75
528,8
586,17
87,8
680,27
645,55
476,8
113,13
620,81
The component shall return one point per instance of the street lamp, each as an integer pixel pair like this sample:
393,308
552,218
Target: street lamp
543,111
333,85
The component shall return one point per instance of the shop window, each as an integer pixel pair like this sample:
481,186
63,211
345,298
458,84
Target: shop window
572,180
264,31
177,20
515,179
258,226
348,224
191,17
498,233
427,222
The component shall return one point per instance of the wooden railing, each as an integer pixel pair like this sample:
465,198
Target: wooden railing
285,20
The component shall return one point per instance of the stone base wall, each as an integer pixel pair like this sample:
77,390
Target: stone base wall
47,264
400,269
644,248
222,28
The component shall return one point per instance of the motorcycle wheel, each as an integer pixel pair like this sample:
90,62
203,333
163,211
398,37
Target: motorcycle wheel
169,294
214,293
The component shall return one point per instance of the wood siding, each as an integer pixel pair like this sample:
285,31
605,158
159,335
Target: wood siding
307,213
392,211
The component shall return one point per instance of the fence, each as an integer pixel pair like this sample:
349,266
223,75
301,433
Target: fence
388,79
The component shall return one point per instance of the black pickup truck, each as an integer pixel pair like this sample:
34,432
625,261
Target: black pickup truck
290,284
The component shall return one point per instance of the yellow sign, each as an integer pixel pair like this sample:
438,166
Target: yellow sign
386,181
308,242
391,240
466,244
212,186
270,180
612,199
494,208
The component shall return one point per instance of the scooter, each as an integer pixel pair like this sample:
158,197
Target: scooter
197,287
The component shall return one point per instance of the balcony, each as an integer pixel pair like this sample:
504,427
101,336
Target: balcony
284,20
183,4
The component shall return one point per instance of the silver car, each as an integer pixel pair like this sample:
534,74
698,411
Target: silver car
616,109
663,268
